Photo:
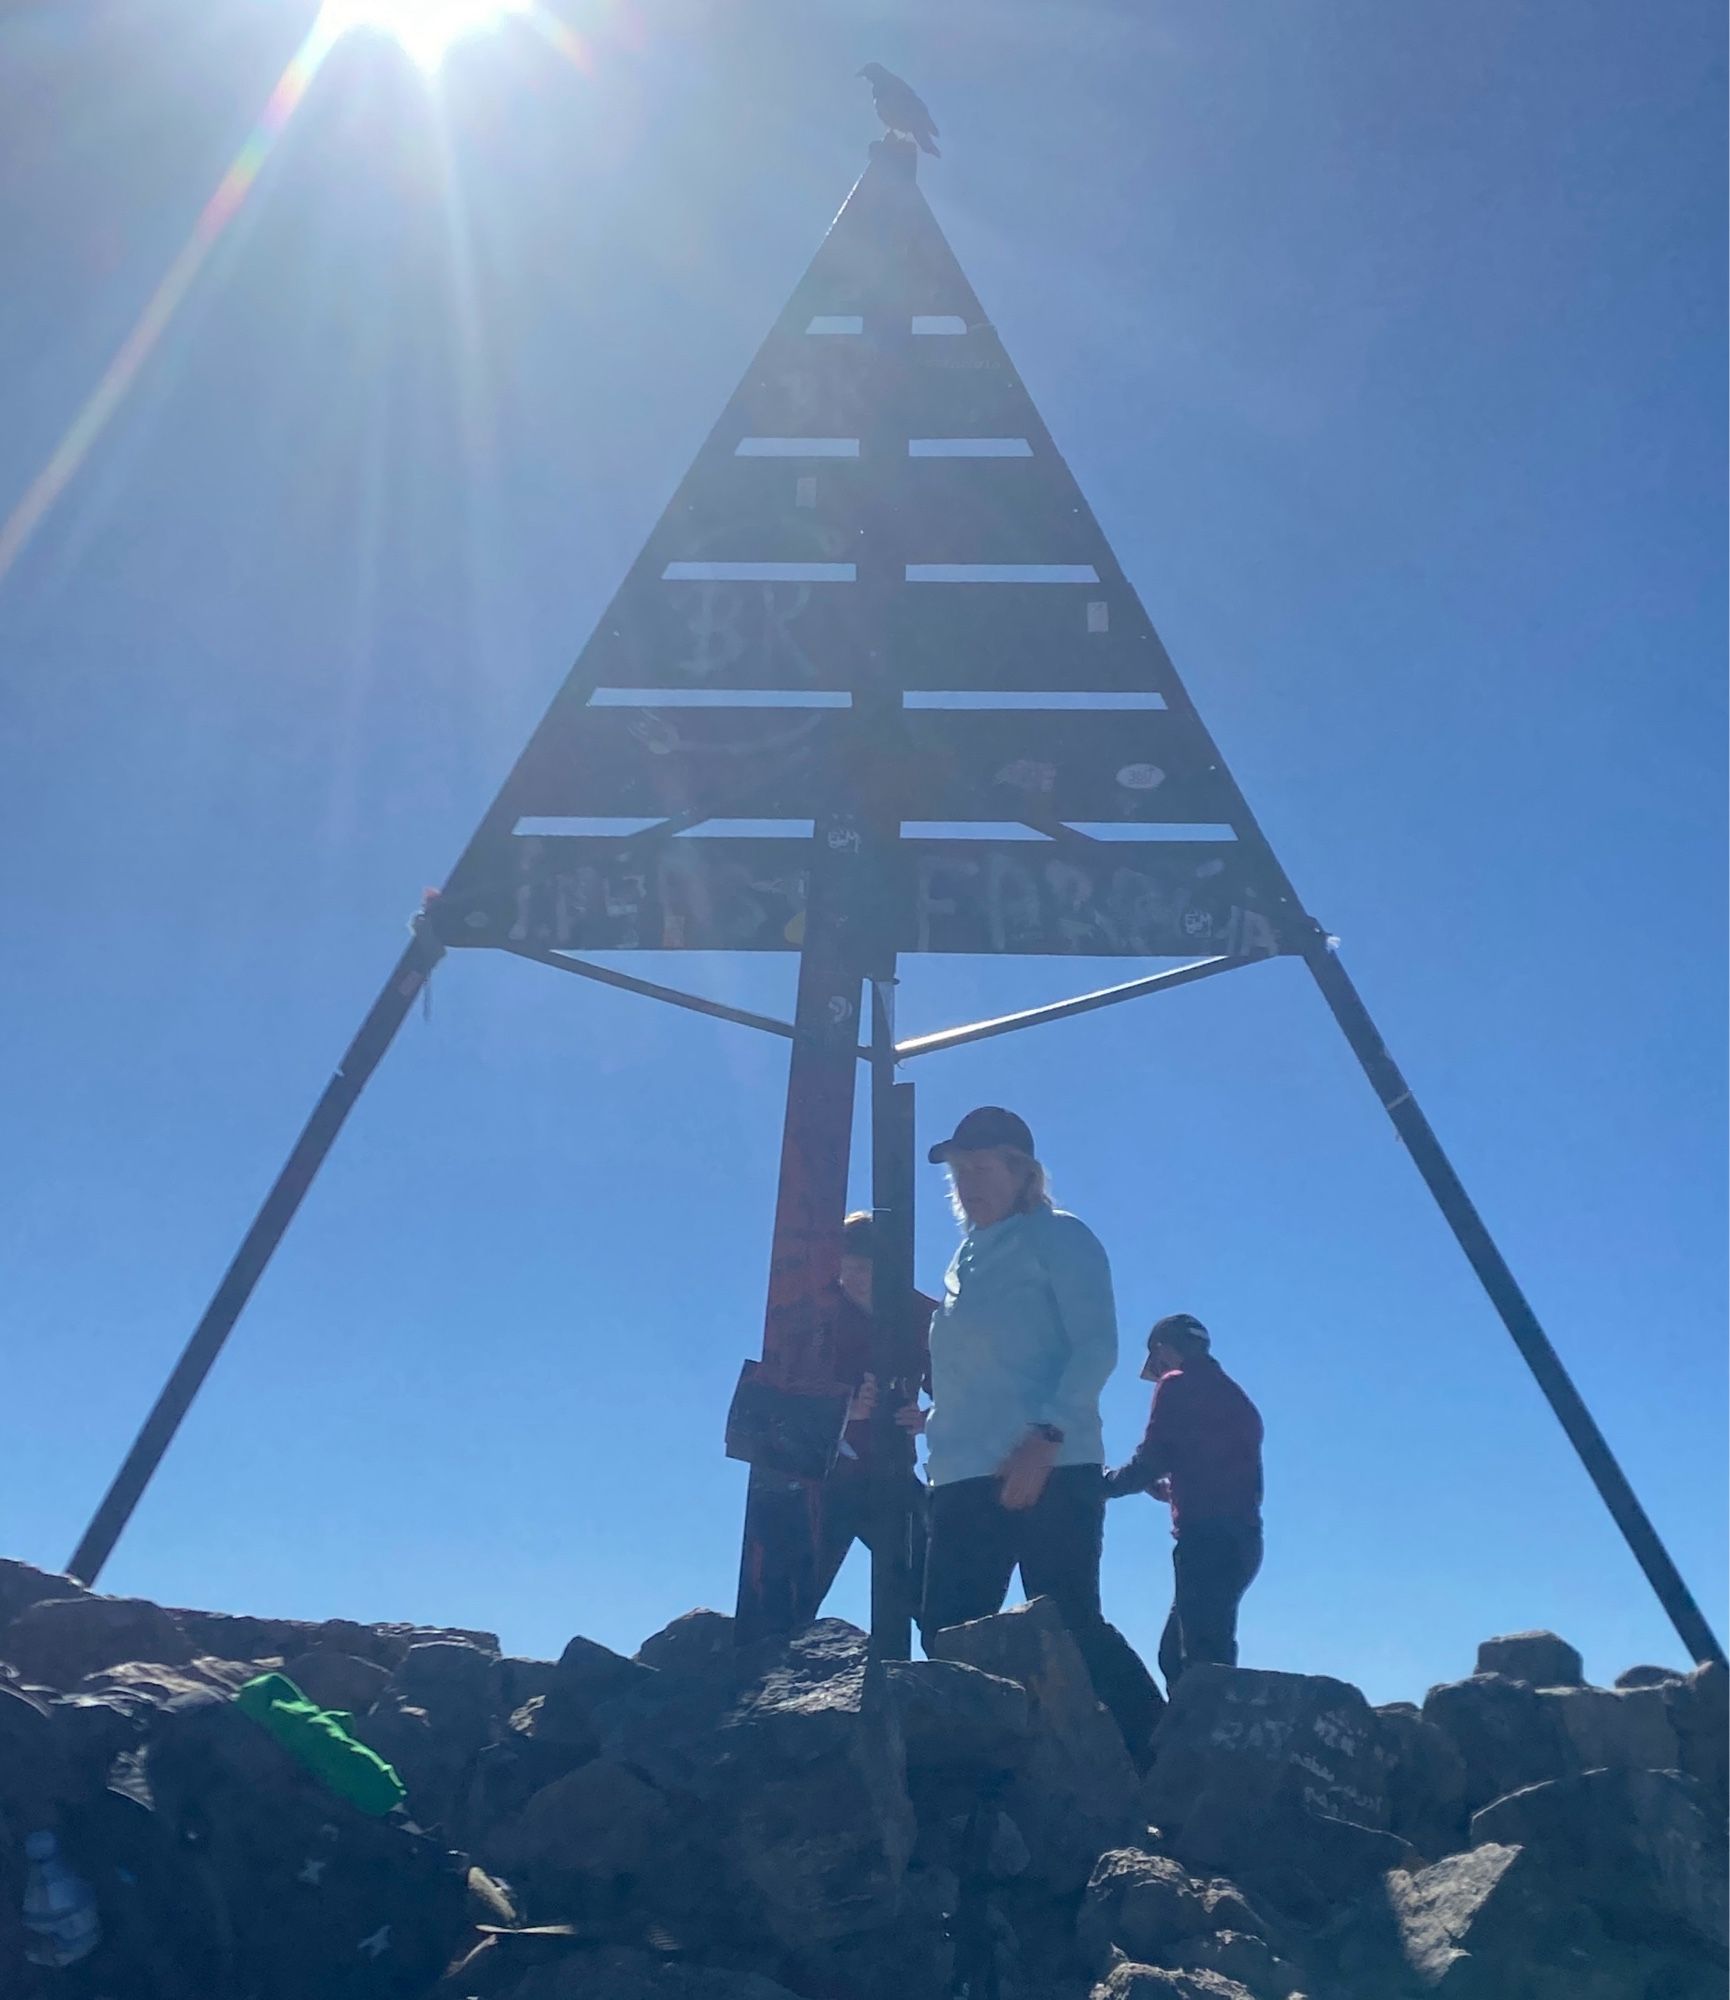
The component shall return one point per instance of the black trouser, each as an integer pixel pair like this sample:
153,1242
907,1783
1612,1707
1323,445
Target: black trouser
977,1545
797,1535
1214,1562
853,1511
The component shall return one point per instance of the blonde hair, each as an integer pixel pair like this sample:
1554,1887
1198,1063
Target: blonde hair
1035,1191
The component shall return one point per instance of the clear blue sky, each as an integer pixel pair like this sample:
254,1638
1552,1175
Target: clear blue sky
1387,341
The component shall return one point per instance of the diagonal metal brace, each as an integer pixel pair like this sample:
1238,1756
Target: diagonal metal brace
674,996
1061,1010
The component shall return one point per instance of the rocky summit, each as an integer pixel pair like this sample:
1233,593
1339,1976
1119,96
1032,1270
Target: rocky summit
693,1823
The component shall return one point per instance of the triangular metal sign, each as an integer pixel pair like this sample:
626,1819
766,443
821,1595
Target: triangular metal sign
879,517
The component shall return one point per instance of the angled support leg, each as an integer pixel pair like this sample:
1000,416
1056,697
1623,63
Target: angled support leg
377,1032
1505,1295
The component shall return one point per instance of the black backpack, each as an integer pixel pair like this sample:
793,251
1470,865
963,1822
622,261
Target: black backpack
317,1898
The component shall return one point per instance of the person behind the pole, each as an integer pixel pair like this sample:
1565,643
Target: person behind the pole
1202,1453
851,1505
1021,1346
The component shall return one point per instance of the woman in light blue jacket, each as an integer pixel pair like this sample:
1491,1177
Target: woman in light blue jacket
1021,1346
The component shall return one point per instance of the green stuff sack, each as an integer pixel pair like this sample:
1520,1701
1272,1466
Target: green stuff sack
320,1740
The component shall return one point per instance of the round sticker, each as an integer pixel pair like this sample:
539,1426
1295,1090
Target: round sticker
1140,777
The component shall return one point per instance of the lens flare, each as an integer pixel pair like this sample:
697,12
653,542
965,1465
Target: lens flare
425,29
118,377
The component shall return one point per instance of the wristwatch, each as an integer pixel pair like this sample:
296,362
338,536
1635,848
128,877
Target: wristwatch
1050,1432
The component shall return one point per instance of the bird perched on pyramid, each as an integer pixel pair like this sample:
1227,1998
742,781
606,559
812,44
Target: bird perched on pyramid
900,107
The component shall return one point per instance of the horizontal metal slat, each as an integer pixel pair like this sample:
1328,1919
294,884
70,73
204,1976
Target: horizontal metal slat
979,897
1080,637
902,509
857,386
1147,767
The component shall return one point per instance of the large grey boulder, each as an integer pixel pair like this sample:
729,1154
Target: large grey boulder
1238,1745
342,1681
699,1642
138,1687
1074,1793
22,1584
814,1782
1625,1729
1636,1846
1129,1981
667,1728
1700,1714
520,1680
1504,1734
1446,1911
599,1822
1541,1659
392,1639
669,1724
554,1728
432,1720
1244,1957
1307,1863
506,1775
593,1673
796,1780
1147,1905
435,1768
955,1717
448,1676
586,1678
58,1640
238,1635
821,1651
1649,1677
1484,1925
232,1635
1280,1781
1426,1781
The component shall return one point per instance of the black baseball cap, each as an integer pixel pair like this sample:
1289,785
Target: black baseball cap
989,1125
1179,1330
1182,1331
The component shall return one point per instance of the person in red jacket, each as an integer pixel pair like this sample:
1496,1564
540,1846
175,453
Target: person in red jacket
1202,1453
849,1508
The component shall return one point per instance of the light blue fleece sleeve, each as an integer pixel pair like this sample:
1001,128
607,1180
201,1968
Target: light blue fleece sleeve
1080,1279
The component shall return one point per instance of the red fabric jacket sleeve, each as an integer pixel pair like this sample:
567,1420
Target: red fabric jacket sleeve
1152,1459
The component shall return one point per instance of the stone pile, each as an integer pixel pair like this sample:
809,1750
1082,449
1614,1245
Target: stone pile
688,1824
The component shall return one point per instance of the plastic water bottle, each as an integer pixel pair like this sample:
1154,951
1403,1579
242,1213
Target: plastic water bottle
60,1920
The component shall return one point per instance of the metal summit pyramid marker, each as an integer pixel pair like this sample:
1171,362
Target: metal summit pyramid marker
876,686
878,524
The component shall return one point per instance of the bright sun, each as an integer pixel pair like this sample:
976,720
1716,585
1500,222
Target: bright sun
425,28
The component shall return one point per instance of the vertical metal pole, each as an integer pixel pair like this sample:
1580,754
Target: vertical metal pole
845,910
893,1342
878,776
778,1554
378,1030
1505,1294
